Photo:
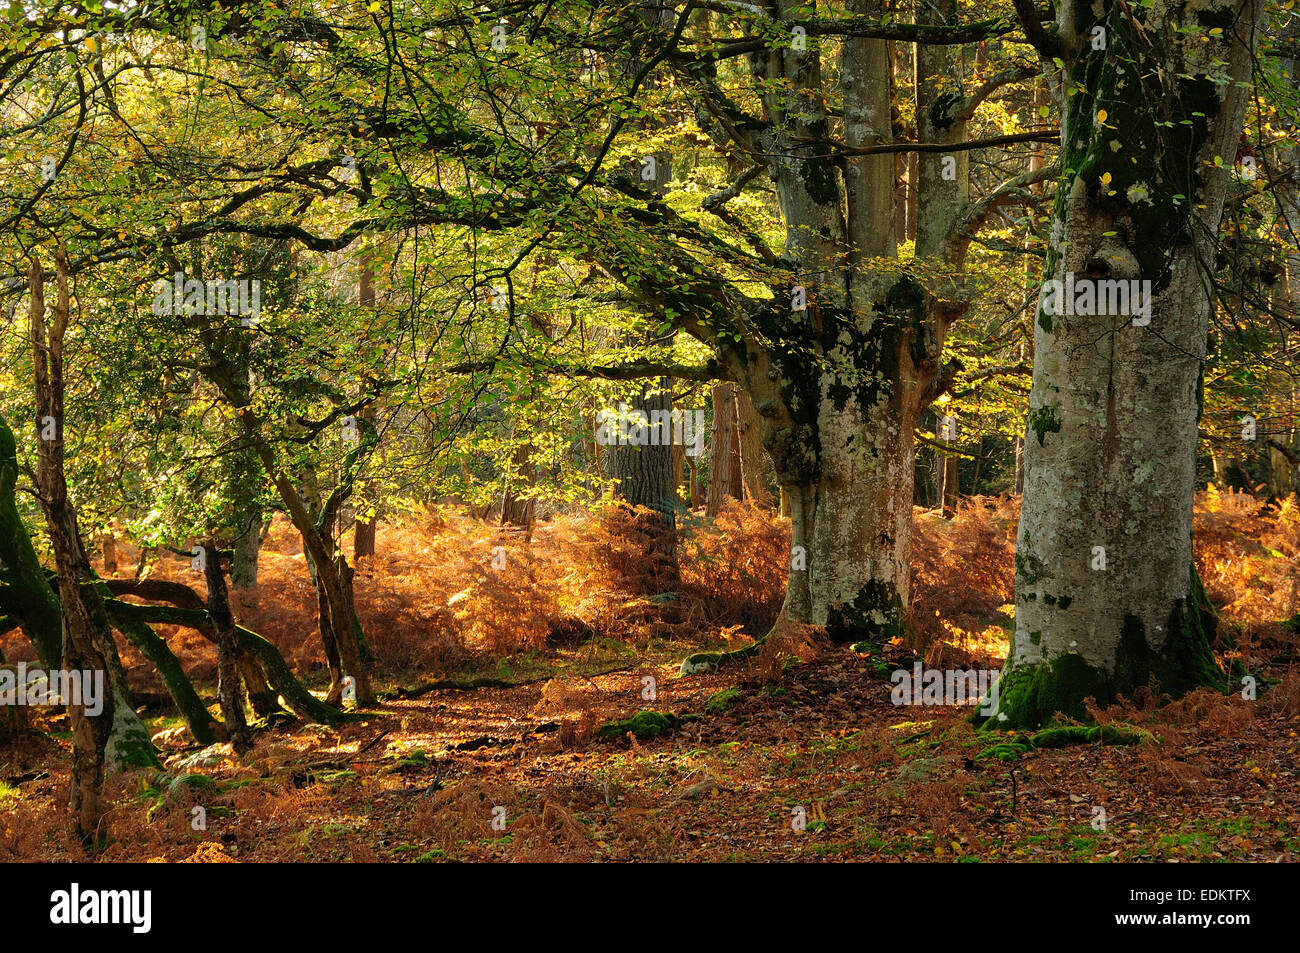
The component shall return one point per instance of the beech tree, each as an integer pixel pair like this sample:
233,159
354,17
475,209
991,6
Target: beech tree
1152,98
837,340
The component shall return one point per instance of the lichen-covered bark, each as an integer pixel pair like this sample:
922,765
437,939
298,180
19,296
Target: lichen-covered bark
1110,452
835,383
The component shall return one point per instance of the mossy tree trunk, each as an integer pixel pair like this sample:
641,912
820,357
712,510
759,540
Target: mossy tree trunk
1104,596
27,596
87,637
200,722
858,337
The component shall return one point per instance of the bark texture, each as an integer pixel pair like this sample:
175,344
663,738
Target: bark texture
644,478
230,688
1110,448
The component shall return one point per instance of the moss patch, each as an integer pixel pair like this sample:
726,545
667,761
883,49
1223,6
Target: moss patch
722,700
644,725
1044,420
1032,695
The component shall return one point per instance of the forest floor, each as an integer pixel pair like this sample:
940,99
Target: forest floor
798,754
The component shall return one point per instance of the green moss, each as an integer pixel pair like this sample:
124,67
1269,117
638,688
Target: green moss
1003,751
1063,735
196,781
706,661
722,700
644,725
129,745
876,615
819,178
1029,568
1044,420
1030,696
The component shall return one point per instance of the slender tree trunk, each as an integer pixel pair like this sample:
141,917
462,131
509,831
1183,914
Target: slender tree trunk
1106,596
1288,193
230,687
364,536
328,636
90,731
724,451
753,458
679,473
1020,465
951,489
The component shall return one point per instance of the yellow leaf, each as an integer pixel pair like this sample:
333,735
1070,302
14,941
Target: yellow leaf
1101,115
1105,178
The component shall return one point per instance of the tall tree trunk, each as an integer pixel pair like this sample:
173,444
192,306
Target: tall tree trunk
643,476
1111,446
1019,448
329,636
520,475
950,489
90,732
247,548
753,458
725,478
364,536
1288,193
230,689
679,473
838,421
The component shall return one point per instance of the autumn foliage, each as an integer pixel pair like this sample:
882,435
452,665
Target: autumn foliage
446,590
